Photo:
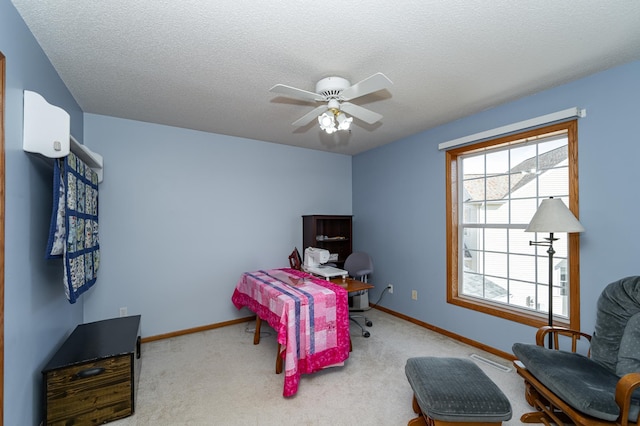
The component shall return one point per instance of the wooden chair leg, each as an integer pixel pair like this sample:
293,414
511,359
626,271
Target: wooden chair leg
420,420
256,335
415,406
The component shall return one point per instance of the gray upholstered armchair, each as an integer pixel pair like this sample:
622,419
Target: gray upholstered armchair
600,388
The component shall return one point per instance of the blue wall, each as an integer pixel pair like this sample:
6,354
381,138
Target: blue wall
399,204
37,316
184,213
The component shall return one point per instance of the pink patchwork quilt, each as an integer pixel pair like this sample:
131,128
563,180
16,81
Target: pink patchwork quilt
310,315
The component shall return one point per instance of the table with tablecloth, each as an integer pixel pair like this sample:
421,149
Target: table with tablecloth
309,314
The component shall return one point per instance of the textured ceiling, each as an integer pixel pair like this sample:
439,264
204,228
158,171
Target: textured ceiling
209,65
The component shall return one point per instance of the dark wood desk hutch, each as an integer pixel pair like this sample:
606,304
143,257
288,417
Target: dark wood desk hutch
93,378
336,231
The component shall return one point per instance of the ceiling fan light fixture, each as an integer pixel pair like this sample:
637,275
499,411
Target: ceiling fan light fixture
336,92
326,120
344,122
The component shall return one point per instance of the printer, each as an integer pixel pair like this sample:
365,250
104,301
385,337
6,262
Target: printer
314,259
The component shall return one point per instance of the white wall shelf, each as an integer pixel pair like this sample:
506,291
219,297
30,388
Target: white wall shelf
47,131
89,157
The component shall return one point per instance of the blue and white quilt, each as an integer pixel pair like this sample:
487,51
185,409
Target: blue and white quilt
73,234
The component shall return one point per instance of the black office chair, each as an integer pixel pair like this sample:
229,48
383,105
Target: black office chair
359,265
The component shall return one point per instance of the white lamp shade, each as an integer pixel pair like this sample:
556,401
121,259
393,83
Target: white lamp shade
326,120
554,216
343,121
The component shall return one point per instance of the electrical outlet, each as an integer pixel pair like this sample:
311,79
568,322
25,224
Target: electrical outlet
390,287
414,294
123,311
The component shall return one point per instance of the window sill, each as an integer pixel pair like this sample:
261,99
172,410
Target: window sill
507,312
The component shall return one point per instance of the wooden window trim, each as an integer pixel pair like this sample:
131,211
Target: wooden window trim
503,311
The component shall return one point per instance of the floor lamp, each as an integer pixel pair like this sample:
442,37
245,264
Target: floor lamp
552,216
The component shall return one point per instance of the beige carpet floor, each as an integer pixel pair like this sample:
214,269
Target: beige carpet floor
218,377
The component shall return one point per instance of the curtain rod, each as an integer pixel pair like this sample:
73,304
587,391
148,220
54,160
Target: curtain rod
514,127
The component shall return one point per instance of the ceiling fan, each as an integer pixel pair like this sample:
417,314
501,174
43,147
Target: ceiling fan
335,92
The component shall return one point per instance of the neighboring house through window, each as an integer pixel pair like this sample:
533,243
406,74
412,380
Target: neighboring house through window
494,189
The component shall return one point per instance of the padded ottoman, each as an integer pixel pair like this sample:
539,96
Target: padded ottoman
454,390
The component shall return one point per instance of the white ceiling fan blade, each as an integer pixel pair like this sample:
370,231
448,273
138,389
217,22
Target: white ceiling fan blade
307,118
294,92
371,84
363,114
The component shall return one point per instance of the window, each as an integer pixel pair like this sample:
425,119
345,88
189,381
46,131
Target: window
494,189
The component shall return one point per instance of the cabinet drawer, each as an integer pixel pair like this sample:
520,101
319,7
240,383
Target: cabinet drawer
94,392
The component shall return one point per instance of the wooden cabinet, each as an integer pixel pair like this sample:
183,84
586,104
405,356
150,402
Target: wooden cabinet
93,377
332,233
